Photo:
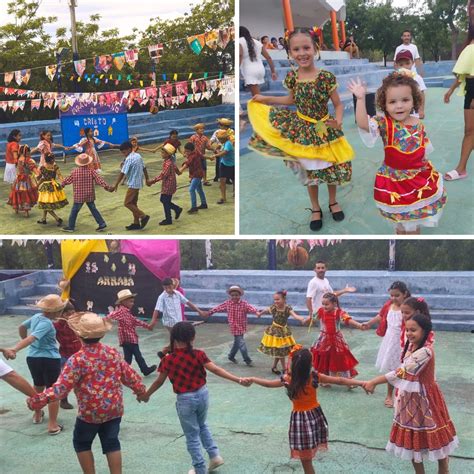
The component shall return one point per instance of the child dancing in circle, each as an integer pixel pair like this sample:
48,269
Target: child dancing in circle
331,354
408,191
308,431
422,428
310,139
277,341
409,308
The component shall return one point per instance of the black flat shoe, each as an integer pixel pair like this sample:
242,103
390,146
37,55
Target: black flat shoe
59,222
316,224
337,216
178,213
42,221
165,222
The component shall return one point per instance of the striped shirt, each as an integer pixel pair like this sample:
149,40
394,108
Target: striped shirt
133,168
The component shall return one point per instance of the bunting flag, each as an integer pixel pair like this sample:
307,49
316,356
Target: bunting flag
4,105
224,38
103,63
51,71
196,43
211,39
155,51
35,104
166,90
80,66
181,88
131,57
119,60
22,76
9,77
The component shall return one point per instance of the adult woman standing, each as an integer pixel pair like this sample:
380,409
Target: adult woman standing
464,72
251,63
11,156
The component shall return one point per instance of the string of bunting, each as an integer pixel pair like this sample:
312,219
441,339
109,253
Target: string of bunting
219,37
165,96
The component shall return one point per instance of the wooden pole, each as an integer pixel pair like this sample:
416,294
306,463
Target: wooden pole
288,16
335,35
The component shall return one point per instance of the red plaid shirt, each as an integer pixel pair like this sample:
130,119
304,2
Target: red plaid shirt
185,369
168,177
127,323
236,315
201,143
194,165
69,343
96,373
83,179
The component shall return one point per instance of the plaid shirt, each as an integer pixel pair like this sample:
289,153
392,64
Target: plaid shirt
236,315
185,369
168,177
201,143
96,373
194,165
69,343
127,323
83,179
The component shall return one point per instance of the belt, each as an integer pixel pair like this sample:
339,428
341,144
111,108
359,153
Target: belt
278,325
320,126
311,119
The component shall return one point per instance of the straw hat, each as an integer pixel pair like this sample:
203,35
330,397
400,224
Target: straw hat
222,134
199,125
235,288
123,295
89,325
51,303
225,121
83,160
170,149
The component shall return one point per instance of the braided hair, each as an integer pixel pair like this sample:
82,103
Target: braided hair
245,33
182,332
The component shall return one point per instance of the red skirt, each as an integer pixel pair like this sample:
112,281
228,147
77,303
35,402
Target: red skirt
24,194
331,355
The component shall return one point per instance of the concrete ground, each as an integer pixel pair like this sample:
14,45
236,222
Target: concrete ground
272,201
249,424
218,219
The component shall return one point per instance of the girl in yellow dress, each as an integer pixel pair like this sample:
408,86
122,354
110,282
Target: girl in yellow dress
51,196
309,139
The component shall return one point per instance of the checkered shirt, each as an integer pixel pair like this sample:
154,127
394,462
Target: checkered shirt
201,143
236,315
133,168
185,369
83,180
69,343
194,165
168,177
127,323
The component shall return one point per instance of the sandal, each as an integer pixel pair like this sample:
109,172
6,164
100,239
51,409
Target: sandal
337,216
221,201
37,422
454,175
276,371
388,403
318,223
42,221
56,431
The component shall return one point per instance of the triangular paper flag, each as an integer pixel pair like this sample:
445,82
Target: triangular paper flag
8,77
35,104
155,51
80,67
18,77
224,39
119,60
196,43
211,39
131,57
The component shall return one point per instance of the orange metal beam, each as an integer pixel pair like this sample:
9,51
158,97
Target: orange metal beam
335,35
343,30
288,15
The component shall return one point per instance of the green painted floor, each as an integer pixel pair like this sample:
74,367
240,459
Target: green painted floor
249,424
218,219
272,201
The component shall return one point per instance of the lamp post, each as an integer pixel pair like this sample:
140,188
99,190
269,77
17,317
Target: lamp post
391,255
272,257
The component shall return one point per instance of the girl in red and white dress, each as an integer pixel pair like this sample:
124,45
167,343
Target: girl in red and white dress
408,191
331,354
46,146
409,308
422,428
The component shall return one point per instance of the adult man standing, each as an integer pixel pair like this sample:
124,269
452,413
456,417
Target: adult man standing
407,44
320,285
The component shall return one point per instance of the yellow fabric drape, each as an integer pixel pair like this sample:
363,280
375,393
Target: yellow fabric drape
73,254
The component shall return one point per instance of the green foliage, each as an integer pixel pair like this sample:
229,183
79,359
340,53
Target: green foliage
31,256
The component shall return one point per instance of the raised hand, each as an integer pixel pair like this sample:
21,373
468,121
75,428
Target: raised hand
358,88
350,289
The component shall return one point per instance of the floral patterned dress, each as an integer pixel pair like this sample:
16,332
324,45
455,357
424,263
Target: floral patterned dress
408,191
314,151
277,340
51,194
24,193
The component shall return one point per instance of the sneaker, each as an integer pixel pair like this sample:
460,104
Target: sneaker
101,227
67,229
133,227
178,213
249,363
144,222
215,463
233,360
203,206
150,370
165,222
193,210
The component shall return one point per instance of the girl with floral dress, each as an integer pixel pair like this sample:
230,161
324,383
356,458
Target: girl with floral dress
408,191
51,196
277,340
309,139
46,145
24,193
422,428
331,353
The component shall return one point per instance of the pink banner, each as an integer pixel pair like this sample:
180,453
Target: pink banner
160,257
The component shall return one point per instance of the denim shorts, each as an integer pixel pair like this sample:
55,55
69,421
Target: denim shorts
84,434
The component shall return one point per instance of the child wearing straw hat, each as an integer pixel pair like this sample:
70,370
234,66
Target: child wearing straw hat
83,179
168,184
96,373
127,323
227,166
201,143
43,359
237,310
224,124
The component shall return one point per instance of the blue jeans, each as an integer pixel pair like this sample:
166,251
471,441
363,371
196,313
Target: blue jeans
192,413
196,185
239,345
77,206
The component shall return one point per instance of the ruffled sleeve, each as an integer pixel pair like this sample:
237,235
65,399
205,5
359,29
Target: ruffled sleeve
376,125
429,148
407,376
290,81
344,317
